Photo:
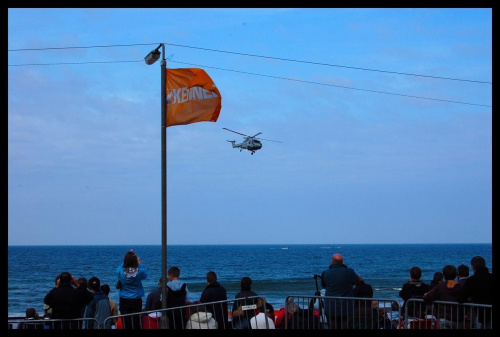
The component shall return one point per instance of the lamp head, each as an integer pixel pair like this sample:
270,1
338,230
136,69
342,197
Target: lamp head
152,57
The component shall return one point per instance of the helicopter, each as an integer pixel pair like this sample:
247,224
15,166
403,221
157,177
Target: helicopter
250,143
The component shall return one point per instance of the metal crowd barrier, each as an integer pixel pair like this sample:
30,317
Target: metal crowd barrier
328,312
179,317
446,315
51,324
309,312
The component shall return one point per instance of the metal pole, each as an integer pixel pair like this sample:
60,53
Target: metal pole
163,177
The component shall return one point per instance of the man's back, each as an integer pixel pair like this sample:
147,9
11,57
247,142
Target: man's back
479,287
66,301
339,280
212,293
153,296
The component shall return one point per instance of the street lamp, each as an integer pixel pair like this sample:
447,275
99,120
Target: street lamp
151,58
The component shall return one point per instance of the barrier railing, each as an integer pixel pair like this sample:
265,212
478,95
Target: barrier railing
75,323
446,315
309,312
194,316
327,312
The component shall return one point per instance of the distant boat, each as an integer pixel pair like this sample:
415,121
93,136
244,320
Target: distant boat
285,247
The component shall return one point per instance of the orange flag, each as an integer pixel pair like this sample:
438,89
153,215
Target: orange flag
192,97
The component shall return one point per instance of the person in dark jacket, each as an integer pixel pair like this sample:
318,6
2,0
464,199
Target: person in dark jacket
365,311
241,319
478,289
450,317
98,308
436,280
66,301
414,288
462,273
153,296
31,315
213,292
338,281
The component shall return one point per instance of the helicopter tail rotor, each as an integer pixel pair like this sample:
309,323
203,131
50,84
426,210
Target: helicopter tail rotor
233,142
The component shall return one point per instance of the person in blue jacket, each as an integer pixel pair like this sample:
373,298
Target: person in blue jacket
130,275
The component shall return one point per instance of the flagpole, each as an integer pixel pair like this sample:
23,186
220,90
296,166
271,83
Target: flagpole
163,177
150,59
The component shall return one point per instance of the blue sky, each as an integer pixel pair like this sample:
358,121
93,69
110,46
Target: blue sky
384,116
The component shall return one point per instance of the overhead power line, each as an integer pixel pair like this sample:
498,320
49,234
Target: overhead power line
339,86
269,76
259,56
245,72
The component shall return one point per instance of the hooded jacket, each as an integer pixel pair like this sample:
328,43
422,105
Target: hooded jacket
100,309
412,289
478,288
201,320
131,280
215,292
447,291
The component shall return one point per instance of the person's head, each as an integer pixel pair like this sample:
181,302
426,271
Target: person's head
415,273
211,277
198,307
361,289
337,259
94,284
477,262
174,272
394,306
270,311
160,281
105,289
462,271
291,306
449,272
31,313
130,260
246,283
82,281
65,278
438,277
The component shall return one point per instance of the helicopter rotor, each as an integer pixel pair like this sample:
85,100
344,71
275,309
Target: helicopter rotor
253,137
236,132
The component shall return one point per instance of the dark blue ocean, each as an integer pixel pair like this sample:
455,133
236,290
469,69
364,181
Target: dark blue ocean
276,272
